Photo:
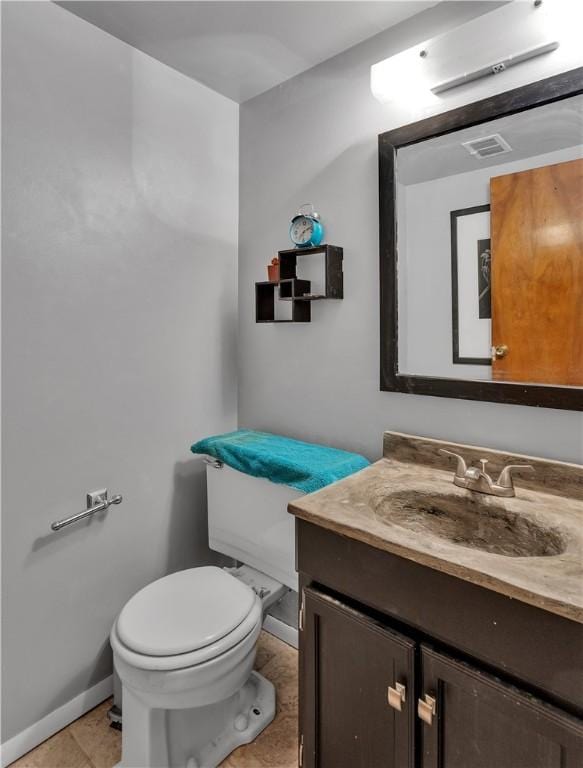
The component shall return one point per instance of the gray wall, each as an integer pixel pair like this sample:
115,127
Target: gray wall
315,138
119,317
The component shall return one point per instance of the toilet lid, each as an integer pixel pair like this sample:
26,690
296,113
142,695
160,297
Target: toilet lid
184,611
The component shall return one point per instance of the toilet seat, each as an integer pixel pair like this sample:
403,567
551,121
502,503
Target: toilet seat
184,611
208,624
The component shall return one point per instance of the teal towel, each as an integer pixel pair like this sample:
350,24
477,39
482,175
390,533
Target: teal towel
304,466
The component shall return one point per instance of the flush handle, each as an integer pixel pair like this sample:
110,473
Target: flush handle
397,696
426,709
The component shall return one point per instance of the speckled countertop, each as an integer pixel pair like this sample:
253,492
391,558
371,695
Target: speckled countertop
378,507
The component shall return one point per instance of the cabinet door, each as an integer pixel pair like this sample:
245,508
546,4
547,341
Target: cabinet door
480,722
348,662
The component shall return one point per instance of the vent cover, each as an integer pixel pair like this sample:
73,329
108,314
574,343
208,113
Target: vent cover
487,146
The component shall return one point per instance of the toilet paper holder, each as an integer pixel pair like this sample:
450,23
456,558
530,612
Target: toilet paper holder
97,501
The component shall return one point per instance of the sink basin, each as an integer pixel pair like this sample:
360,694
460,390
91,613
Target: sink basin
471,521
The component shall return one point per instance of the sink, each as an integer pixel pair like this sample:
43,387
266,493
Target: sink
470,521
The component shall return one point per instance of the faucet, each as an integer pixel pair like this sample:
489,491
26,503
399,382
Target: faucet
477,479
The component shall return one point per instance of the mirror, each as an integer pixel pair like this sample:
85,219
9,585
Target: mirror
482,249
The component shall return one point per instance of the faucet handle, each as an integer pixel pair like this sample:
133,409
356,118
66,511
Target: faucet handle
462,467
483,463
505,478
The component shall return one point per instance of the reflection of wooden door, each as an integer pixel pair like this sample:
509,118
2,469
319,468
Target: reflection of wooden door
537,274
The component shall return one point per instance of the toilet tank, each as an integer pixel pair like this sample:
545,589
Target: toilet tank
248,520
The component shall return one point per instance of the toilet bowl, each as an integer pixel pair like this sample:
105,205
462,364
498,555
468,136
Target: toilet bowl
184,648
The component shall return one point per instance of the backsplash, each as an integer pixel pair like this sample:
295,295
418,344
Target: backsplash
554,477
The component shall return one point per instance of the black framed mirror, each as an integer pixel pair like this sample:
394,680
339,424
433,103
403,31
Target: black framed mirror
461,316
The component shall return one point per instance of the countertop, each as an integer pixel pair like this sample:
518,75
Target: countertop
367,506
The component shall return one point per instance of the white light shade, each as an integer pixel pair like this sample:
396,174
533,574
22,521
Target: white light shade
404,78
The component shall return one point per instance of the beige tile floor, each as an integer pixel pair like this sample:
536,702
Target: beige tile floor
90,743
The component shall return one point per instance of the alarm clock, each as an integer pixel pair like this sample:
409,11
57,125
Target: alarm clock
305,229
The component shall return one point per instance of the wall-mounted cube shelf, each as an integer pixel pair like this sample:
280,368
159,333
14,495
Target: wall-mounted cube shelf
265,306
293,289
296,290
333,274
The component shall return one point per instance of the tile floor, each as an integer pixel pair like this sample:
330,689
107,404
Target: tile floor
90,743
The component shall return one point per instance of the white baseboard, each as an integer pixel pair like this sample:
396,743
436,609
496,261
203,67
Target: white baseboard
40,731
282,630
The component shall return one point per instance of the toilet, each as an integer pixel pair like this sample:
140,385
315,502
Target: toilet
184,646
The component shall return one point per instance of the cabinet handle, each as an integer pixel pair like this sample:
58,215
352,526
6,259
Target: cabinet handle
426,708
397,696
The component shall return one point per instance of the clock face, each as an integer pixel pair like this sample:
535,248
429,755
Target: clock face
301,230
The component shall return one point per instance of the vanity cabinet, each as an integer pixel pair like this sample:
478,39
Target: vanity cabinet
382,638
481,722
363,709
348,663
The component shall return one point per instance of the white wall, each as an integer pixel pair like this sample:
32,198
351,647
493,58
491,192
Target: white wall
425,321
119,318
314,138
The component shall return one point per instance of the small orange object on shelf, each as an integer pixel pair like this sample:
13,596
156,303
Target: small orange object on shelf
273,270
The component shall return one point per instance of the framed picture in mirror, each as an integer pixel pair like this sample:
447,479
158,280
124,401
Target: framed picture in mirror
484,301
471,297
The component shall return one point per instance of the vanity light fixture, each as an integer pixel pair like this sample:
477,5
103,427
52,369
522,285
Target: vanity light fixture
490,44
496,68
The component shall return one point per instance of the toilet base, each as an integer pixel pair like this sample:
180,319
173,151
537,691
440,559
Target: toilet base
257,710
202,737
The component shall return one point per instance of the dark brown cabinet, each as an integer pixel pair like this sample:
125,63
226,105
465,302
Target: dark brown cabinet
481,722
372,697
348,664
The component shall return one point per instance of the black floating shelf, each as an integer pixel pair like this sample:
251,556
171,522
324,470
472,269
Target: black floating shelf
265,306
333,274
294,289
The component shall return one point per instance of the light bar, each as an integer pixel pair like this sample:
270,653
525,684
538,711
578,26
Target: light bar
495,69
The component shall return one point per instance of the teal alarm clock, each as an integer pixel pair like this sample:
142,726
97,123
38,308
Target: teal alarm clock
305,229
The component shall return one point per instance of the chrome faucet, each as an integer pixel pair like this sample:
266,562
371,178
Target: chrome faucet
477,479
